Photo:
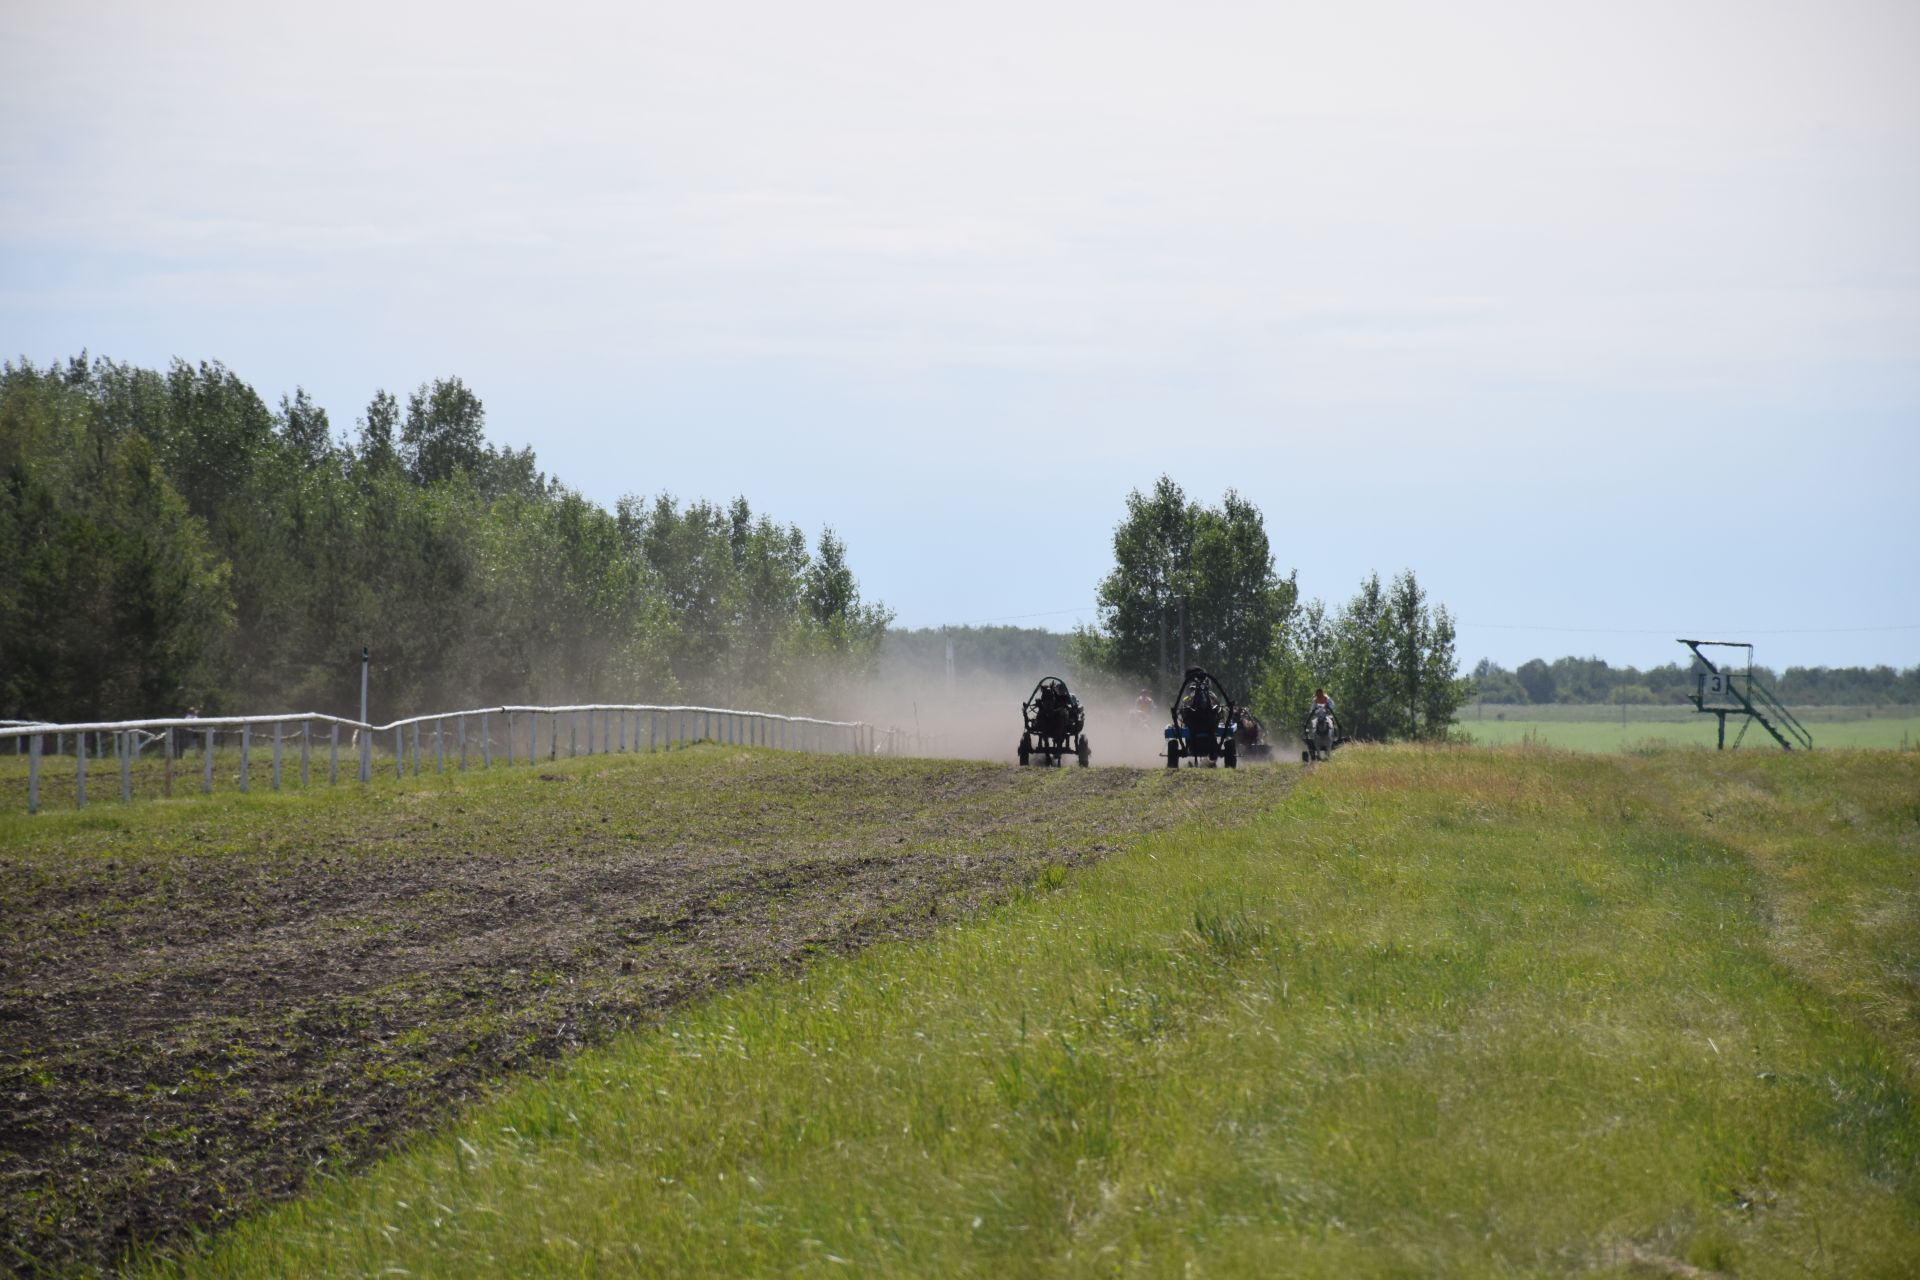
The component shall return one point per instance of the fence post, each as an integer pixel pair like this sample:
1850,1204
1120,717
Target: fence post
166,777
440,745
246,755
33,774
486,744
80,769
508,736
399,753
460,732
276,755
306,753
206,762
652,734
125,744
415,735
366,755
533,737
573,734
333,754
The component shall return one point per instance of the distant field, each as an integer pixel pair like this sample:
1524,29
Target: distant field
1435,1012
1603,734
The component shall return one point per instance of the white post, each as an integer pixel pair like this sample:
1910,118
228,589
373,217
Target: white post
486,744
366,754
276,755
440,745
333,754
34,748
460,731
652,734
573,734
508,738
415,735
126,766
306,753
399,752
623,732
166,778
363,687
80,769
206,763
246,755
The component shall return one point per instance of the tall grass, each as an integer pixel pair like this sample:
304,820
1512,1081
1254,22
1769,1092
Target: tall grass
1439,1012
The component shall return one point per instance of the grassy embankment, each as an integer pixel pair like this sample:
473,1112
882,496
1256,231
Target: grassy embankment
1440,1012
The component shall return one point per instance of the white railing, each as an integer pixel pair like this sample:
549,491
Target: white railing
512,733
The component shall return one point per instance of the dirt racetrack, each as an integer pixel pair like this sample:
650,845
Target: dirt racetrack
205,1004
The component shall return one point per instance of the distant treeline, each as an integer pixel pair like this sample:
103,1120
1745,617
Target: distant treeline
1591,680
167,540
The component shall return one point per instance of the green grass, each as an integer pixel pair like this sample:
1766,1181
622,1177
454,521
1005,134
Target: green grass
1696,730
1438,1012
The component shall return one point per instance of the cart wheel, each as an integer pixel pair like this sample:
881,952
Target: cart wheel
1085,752
1173,754
1306,757
1025,750
1233,759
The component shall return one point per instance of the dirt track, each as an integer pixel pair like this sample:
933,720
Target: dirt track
204,1010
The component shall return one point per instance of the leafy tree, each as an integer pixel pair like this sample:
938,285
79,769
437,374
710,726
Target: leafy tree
1536,677
377,449
1192,577
445,431
1387,658
303,424
471,575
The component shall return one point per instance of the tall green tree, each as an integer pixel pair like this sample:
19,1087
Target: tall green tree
1189,578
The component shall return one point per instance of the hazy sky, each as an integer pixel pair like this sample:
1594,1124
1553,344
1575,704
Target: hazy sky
1604,318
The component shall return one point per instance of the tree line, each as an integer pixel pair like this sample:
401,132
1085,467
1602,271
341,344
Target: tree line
168,540
1593,680
1196,585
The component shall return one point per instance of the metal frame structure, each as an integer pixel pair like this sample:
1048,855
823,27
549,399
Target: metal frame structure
1747,696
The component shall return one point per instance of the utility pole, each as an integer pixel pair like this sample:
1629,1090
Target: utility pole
1163,646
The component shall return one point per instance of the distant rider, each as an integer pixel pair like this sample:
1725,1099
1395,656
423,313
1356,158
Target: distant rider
1322,704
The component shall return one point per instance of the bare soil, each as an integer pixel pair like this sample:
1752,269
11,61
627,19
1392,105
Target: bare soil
204,1009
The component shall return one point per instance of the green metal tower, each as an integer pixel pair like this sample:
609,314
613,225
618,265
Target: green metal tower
1728,692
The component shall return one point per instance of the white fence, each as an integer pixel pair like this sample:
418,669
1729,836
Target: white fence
515,735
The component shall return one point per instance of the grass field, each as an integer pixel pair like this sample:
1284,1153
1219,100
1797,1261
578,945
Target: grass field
1434,1012
1593,729
205,1002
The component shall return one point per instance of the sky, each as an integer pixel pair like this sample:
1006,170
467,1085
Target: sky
1604,318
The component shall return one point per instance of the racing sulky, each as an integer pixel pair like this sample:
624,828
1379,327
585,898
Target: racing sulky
1322,736
1056,725
1250,736
1205,722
